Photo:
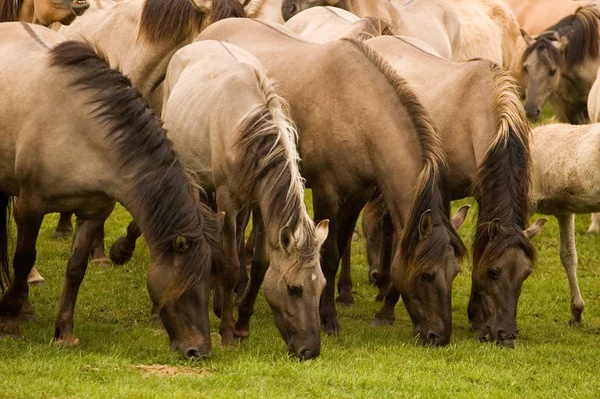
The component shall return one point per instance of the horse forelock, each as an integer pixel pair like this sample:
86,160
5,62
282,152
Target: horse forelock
503,180
432,183
160,182
9,10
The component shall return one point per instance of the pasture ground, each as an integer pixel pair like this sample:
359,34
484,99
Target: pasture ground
122,355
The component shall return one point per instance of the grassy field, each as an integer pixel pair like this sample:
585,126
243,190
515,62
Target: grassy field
122,355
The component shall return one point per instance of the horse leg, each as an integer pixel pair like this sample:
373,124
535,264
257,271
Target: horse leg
382,275
568,257
474,309
97,253
260,264
385,316
325,205
86,231
345,296
595,225
122,250
242,282
15,298
64,229
372,229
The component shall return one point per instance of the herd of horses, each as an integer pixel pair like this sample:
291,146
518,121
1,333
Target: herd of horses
199,116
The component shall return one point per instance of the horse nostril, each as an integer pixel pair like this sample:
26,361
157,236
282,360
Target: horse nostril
306,354
194,353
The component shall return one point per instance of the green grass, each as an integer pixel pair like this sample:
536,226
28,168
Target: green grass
111,319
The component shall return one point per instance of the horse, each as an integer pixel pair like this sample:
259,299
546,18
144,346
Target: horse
392,146
560,66
140,37
485,139
265,9
325,24
433,22
535,15
127,159
42,12
565,183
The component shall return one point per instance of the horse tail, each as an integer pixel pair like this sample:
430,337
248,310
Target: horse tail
5,202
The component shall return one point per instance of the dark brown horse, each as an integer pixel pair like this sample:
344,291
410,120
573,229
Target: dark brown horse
94,111
42,12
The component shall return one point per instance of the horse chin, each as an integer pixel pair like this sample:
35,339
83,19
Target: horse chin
79,7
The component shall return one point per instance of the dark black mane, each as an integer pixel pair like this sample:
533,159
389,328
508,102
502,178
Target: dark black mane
9,10
161,184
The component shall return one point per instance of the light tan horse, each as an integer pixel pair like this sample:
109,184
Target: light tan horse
432,21
42,12
593,106
325,24
535,16
485,138
566,181
560,66
347,152
265,9
232,131
84,107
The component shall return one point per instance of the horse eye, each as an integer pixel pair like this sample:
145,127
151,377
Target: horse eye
493,274
295,290
552,72
428,277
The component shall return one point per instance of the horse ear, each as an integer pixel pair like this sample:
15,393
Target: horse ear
425,225
321,231
494,228
286,239
528,39
535,228
202,5
460,216
180,243
220,219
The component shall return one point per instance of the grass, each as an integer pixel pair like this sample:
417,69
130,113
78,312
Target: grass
120,350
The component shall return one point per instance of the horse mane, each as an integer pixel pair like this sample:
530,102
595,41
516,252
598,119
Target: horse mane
9,10
582,26
160,182
174,21
266,147
503,180
432,182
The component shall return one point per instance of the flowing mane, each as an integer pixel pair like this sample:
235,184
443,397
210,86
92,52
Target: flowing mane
9,10
266,142
503,179
174,21
582,29
432,183
161,182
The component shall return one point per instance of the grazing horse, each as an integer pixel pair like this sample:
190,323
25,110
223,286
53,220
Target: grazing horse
432,21
140,37
265,9
42,12
235,137
93,110
361,127
560,65
325,24
535,15
485,138
565,182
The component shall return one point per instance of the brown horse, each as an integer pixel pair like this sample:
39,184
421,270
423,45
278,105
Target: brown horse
42,12
361,127
91,109
140,37
560,65
485,138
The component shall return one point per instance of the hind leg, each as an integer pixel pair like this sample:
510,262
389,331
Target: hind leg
63,229
345,296
568,257
28,221
242,282
86,231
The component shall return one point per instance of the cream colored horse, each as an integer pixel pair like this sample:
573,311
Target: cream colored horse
593,105
232,131
42,12
433,21
535,16
325,24
566,181
266,9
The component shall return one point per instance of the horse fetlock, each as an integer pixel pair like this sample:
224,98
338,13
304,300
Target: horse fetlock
576,313
345,297
330,325
121,252
9,326
241,329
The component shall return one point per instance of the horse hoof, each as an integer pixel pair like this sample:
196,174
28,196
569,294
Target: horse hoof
594,230
117,255
331,327
228,339
62,234
101,262
68,340
382,321
35,279
576,319
241,332
9,327
345,298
